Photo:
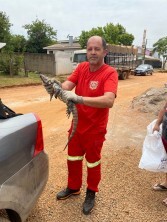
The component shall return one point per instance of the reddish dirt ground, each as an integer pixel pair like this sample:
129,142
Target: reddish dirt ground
125,190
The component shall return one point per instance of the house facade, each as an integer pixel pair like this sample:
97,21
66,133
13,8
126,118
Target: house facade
63,52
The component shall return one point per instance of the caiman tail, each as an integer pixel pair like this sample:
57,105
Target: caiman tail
74,112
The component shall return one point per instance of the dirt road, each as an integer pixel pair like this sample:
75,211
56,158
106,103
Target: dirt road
125,190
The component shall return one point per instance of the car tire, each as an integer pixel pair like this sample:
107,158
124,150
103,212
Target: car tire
2,219
123,75
4,216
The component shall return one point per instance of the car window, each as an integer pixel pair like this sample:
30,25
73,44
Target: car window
140,66
145,66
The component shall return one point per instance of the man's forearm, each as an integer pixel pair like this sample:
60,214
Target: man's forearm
68,85
99,102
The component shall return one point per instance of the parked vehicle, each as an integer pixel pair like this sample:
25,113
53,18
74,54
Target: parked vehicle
23,164
122,58
144,69
78,57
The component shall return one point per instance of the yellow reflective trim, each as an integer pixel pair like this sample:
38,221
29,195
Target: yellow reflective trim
91,165
74,158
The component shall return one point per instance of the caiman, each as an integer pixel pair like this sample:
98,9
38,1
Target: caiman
71,108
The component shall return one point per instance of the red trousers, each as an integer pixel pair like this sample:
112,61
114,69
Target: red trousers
164,143
88,145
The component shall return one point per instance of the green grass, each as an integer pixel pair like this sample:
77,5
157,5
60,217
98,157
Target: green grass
19,80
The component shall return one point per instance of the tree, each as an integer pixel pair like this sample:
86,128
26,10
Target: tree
83,38
40,35
5,34
126,39
161,47
18,43
113,34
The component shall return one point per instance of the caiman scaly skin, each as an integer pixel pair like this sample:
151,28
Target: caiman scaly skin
71,108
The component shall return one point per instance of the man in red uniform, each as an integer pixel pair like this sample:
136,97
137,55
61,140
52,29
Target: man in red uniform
95,91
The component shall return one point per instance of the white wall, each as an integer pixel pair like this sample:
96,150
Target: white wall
63,63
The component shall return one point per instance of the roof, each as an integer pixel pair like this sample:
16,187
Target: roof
63,46
2,44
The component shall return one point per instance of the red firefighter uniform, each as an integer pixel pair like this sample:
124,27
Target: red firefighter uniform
92,124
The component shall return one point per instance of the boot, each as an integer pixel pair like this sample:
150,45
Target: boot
89,202
64,194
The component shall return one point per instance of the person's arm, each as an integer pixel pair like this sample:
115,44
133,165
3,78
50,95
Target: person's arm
68,85
160,118
105,101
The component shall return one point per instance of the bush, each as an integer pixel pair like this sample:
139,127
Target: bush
11,64
5,63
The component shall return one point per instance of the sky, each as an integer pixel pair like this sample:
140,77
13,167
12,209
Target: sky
71,17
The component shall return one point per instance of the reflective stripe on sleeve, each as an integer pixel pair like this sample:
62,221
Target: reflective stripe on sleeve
91,165
74,158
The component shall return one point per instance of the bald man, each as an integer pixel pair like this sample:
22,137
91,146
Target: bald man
95,86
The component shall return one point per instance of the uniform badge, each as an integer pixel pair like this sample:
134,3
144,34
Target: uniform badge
93,85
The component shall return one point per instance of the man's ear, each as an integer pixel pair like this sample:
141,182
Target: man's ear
105,52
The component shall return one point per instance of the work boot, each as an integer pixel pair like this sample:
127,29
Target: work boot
89,202
64,194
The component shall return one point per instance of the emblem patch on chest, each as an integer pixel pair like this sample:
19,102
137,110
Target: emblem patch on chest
93,85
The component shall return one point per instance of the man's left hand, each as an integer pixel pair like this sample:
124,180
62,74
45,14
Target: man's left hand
71,96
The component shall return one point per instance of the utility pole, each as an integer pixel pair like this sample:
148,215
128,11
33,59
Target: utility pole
144,52
144,43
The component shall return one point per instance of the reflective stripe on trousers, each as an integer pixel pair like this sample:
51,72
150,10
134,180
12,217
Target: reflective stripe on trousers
89,165
74,158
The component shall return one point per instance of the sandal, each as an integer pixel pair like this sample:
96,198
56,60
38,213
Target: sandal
159,187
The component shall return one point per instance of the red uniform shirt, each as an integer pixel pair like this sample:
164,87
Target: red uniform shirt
93,84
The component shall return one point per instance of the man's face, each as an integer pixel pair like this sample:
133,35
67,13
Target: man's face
95,51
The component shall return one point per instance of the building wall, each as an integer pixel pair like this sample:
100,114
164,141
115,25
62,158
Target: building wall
69,51
40,62
54,64
63,63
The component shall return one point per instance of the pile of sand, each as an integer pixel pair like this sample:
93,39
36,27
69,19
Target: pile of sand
152,100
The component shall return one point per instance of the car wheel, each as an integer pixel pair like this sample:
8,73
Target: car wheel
4,216
123,75
2,219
